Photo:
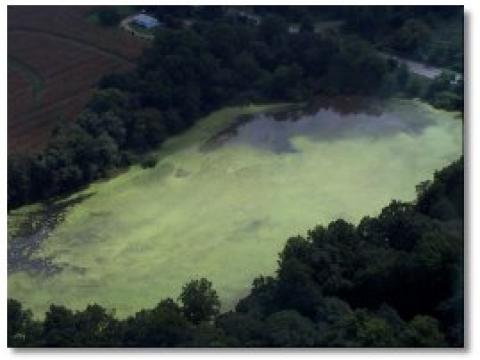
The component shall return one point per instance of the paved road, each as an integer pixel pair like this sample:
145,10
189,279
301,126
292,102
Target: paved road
422,69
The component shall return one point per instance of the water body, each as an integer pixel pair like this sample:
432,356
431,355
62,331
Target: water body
328,119
225,196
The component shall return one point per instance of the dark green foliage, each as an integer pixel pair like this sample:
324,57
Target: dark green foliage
272,29
108,16
296,287
432,34
412,34
95,327
207,335
22,330
448,100
149,162
285,83
443,199
413,87
59,328
19,180
445,92
242,330
164,325
356,69
199,301
261,299
423,331
147,129
403,76
288,328
400,227
106,99
360,328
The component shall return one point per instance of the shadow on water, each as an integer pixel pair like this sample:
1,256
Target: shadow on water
31,231
325,119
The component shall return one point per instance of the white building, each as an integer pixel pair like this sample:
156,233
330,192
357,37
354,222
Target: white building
146,21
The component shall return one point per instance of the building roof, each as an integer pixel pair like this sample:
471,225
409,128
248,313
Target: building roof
146,21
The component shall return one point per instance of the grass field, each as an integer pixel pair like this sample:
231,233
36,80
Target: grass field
55,58
226,213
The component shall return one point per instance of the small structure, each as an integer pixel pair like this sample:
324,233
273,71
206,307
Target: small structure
146,21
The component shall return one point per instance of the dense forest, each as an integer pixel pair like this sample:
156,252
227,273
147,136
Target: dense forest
223,60
393,280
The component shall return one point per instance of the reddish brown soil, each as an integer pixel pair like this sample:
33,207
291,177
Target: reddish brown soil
56,57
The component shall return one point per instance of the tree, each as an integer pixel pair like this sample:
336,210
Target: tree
108,99
164,325
307,24
19,179
413,33
21,329
96,327
242,329
223,42
402,75
207,335
273,29
247,68
336,256
108,16
296,288
447,184
59,328
148,129
400,225
106,152
330,310
108,122
285,83
262,298
359,329
423,331
413,88
200,301
290,329
355,68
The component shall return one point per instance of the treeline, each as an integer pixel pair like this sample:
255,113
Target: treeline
415,32
393,280
430,34
444,91
187,73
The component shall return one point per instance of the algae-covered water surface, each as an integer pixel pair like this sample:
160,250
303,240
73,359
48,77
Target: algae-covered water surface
223,199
